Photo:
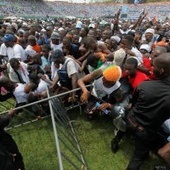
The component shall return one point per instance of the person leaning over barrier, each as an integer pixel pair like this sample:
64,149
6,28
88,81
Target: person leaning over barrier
106,86
67,73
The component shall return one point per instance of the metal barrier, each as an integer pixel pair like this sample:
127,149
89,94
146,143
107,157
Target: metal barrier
69,140
69,153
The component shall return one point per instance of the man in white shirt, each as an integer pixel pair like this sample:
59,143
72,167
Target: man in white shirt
11,49
17,71
55,42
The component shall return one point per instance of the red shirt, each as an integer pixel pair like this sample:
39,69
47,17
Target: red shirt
139,77
147,64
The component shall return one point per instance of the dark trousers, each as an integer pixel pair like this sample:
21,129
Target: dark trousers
144,142
11,147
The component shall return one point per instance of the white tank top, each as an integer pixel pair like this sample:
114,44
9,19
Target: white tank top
99,90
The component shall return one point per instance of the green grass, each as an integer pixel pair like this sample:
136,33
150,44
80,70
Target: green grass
37,145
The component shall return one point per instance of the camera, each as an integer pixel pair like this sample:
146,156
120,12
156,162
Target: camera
118,114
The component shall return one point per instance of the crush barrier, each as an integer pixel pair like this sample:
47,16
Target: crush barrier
43,141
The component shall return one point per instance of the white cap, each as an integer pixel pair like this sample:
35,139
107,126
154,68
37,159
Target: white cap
145,47
91,25
119,56
116,38
150,30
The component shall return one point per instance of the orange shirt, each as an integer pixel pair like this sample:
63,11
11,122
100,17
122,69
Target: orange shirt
37,48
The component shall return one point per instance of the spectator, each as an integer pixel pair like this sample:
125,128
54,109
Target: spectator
68,74
18,71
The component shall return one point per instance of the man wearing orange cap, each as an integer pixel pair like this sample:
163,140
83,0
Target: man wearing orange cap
106,86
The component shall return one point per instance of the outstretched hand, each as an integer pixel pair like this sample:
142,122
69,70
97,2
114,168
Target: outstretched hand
84,97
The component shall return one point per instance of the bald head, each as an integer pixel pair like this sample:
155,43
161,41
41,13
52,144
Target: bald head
159,50
161,65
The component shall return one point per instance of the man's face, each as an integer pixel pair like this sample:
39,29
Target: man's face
107,83
105,35
58,61
148,36
9,44
15,65
57,64
113,42
130,69
124,27
55,41
45,52
124,44
157,70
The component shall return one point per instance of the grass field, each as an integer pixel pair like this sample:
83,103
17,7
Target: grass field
37,144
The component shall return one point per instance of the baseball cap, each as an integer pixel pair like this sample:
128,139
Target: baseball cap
55,36
56,54
8,38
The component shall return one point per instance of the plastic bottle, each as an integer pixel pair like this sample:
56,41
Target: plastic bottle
105,110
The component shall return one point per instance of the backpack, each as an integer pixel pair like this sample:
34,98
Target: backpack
65,81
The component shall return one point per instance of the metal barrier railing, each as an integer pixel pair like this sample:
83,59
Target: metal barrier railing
63,131
60,118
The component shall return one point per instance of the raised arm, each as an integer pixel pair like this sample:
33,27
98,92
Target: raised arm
85,80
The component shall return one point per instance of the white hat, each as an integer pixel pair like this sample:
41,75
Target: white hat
91,25
24,24
60,29
145,47
150,30
119,56
116,38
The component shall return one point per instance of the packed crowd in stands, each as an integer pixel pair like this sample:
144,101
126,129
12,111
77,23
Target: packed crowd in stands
42,8
127,61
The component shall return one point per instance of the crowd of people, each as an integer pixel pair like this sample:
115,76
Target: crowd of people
128,63
61,9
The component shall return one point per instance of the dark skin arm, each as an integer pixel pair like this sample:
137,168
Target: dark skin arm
116,23
5,119
74,86
85,80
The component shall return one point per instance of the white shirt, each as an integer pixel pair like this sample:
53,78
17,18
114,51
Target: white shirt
137,54
20,94
42,86
16,51
3,50
73,67
56,47
30,51
100,90
23,72
19,52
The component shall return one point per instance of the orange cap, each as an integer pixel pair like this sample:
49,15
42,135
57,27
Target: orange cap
112,73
